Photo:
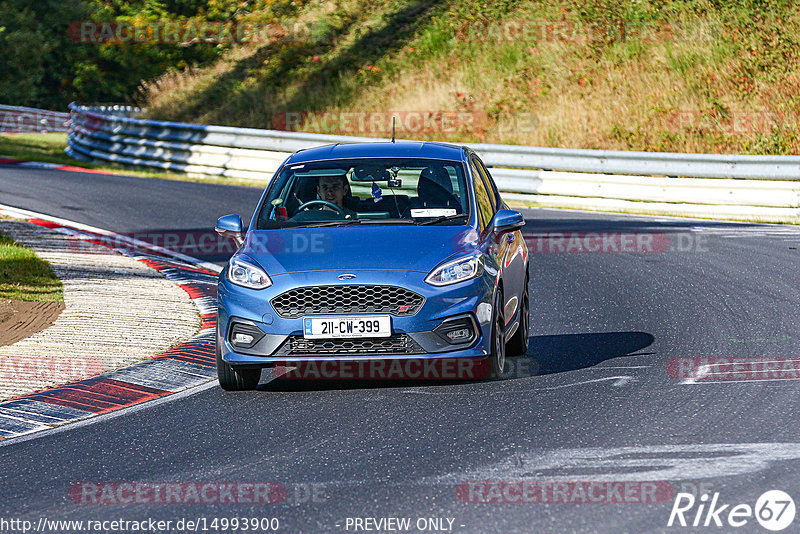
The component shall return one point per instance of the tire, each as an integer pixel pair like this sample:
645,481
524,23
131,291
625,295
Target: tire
232,379
518,344
497,359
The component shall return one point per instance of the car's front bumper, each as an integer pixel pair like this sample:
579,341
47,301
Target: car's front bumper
466,299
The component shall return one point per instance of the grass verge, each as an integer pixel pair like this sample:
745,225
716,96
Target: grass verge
47,148
25,276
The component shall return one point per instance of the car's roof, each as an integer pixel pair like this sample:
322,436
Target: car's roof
400,149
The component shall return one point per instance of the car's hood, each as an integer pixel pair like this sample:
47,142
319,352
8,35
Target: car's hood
408,248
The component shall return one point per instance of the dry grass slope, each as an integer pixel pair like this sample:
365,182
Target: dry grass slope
694,76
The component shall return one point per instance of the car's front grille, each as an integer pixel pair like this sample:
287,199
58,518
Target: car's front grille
396,344
345,299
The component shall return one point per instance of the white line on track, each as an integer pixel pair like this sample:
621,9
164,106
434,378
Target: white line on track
618,381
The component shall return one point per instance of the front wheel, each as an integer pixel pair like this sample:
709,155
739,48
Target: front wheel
498,356
232,379
518,344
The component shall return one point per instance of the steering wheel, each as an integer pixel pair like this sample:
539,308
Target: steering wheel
324,203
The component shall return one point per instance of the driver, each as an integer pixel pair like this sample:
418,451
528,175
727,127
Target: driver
336,189
333,189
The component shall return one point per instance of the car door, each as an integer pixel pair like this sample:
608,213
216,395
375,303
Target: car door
496,248
513,246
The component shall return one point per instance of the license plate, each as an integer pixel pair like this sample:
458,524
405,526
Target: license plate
347,327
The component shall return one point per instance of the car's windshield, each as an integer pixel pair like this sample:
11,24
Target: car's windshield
366,191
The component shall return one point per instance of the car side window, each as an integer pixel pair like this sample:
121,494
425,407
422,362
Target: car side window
490,184
454,181
485,207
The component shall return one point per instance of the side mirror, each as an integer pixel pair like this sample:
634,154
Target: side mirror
507,221
231,226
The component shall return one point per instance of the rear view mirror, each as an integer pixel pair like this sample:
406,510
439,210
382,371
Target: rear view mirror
507,221
371,173
231,226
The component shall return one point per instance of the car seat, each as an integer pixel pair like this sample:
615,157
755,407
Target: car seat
435,190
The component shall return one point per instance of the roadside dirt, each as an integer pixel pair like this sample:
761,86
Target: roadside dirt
19,319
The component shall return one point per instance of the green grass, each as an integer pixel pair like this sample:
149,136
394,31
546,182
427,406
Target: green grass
49,148
25,276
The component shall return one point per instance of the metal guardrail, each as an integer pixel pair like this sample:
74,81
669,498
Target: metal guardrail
644,163
764,187
19,119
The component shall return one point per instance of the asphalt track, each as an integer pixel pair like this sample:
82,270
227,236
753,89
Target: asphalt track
593,400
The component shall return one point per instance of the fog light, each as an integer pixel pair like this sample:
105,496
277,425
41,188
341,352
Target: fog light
244,336
457,330
242,339
457,336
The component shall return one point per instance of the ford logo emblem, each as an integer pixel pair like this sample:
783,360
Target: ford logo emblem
346,276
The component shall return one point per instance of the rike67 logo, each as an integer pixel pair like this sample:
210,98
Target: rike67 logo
774,510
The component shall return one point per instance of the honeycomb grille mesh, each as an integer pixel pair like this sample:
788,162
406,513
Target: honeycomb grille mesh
396,344
344,299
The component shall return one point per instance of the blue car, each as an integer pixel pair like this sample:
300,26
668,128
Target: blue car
377,256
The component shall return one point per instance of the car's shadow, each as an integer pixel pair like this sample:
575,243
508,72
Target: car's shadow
570,352
546,355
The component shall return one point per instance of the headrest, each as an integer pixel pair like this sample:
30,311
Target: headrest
438,175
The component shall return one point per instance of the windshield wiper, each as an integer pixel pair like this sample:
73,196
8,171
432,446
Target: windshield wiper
386,221
341,222
442,219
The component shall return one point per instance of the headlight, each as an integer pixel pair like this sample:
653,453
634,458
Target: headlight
456,271
246,273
